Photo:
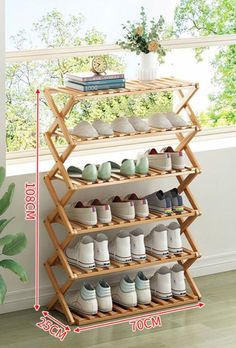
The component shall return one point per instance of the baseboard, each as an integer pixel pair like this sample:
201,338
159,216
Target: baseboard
24,299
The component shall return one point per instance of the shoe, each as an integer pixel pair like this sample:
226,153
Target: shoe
159,120
124,294
101,252
104,171
159,202
127,167
84,130
142,165
123,209
177,157
140,204
104,299
138,251
142,286
156,241
177,280
80,253
161,283
122,125
175,120
120,249
139,124
161,161
79,212
174,238
103,128
89,173
176,200
103,211
83,301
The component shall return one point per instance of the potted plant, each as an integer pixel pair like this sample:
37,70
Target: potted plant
144,39
10,244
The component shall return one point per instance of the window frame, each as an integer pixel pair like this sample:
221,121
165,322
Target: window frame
82,51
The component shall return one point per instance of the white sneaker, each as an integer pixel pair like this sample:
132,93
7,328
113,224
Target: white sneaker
161,283
138,251
83,301
156,242
142,285
174,238
119,247
140,205
177,280
103,291
78,212
80,253
124,293
177,157
101,252
161,161
103,211
123,209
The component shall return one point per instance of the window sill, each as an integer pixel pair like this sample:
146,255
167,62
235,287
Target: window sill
206,140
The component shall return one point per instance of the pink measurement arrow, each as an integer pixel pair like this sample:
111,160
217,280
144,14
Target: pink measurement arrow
36,270
47,315
125,320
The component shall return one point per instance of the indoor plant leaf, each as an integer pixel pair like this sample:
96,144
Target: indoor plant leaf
17,244
4,223
2,175
3,289
16,268
6,239
5,201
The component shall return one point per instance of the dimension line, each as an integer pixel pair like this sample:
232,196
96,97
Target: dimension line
47,315
37,305
129,319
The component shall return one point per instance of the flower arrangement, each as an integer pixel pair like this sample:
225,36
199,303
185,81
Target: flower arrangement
143,38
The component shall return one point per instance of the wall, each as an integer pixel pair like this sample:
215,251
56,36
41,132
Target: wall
215,231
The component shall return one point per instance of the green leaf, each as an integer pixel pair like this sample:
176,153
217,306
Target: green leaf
3,290
4,223
6,239
2,175
16,268
17,244
5,201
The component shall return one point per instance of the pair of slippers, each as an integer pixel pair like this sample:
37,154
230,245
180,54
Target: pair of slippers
133,124
92,172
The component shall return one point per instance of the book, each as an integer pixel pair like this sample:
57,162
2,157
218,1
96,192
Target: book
85,88
90,76
99,82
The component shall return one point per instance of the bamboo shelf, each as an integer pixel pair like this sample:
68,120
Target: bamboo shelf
185,91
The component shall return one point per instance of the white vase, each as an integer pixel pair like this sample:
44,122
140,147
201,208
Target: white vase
148,67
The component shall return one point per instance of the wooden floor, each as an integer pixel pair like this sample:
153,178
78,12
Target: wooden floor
213,326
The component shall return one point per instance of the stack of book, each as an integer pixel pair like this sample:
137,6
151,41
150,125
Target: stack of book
92,82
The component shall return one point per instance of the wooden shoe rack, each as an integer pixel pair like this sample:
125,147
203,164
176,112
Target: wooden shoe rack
185,91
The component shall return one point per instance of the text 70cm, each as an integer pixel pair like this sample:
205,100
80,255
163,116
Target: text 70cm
30,201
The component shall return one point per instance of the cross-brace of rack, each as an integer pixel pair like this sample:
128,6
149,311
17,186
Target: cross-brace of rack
185,91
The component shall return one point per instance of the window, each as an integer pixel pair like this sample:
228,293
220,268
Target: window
47,25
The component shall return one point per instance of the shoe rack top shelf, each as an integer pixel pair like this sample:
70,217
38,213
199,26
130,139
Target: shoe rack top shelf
116,267
154,216
132,87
